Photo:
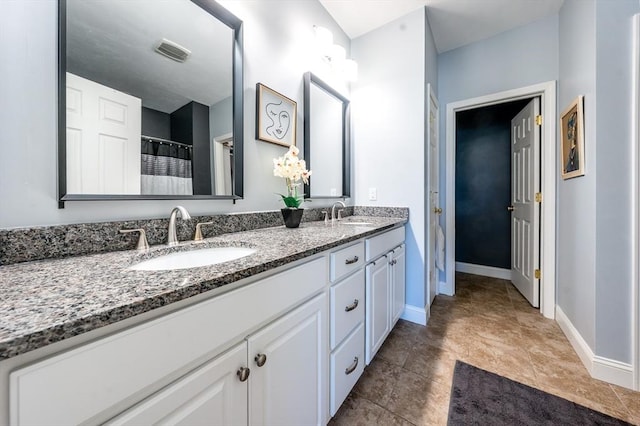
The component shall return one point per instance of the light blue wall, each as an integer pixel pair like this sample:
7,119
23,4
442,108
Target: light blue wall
278,37
614,162
388,105
513,59
594,211
576,203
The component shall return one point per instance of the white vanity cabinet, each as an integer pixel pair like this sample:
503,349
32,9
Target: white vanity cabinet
288,365
277,373
385,287
197,365
347,305
214,393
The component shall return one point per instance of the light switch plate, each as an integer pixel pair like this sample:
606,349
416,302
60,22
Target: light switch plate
373,194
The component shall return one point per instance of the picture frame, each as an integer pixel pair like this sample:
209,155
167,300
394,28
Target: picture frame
276,117
572,140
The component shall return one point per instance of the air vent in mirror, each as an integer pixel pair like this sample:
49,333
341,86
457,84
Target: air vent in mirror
173,50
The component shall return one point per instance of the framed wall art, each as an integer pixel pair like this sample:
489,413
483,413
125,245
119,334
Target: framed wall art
572,139
275,117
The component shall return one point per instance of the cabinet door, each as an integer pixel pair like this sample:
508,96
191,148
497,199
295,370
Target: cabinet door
211,395
378,295
398,283
288,361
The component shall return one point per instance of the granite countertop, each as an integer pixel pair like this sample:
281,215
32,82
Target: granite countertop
50,300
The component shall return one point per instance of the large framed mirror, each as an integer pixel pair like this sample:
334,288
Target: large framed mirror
150,100
327,148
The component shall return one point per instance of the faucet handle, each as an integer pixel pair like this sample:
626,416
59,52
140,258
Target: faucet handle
142,240
326,216
198,234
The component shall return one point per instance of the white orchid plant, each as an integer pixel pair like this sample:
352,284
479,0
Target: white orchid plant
293,170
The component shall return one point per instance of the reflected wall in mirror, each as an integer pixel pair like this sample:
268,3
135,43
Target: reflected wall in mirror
151,100
326,140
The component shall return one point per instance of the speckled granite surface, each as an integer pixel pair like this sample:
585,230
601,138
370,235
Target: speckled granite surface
50,300
47,242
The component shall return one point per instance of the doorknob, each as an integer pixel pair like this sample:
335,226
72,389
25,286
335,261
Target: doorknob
437,210
511,208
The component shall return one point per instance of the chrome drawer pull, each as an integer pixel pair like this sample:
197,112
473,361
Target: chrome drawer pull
352,306
350,369
352,260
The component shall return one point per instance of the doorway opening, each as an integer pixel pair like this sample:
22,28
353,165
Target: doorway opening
547,94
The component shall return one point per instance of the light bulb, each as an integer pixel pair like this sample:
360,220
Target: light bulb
350,69
324,41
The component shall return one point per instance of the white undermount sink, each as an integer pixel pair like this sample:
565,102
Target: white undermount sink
193,259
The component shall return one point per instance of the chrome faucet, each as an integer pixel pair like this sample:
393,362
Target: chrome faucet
333,211
172,238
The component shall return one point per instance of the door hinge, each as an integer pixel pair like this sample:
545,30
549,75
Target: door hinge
538,197
537,274
538,120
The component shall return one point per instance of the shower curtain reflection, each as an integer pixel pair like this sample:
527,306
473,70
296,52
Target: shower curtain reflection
166,167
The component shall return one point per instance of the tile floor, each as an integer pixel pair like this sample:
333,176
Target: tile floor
487,324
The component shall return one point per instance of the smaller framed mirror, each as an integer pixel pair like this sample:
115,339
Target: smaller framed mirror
327,148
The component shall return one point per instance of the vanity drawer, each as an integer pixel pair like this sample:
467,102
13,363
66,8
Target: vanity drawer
346,260
347,306
75,386
347,365
381,244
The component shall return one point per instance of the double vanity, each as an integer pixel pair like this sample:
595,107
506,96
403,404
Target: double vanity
279,335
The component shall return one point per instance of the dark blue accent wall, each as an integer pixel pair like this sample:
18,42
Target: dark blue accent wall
156,123
483,184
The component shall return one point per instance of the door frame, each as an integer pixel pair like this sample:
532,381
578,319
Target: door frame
431,252
635,227
547,93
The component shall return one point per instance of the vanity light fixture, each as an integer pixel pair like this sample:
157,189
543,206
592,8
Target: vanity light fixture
172,50
334,54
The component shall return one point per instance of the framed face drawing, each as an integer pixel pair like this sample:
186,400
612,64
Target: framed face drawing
275,117
572,139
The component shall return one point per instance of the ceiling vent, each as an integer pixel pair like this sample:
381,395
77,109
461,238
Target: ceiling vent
173,50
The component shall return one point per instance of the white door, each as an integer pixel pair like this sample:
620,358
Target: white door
222,157
289,368
434,211
103,139
211,395
525,216
378,305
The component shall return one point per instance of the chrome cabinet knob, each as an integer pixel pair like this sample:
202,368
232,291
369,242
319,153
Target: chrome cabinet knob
511,208
243,373
260,359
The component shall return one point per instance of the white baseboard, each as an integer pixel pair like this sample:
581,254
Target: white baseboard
445,288
416,314
485,271
608,370
612,371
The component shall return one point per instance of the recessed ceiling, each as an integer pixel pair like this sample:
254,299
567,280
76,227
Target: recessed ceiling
454,23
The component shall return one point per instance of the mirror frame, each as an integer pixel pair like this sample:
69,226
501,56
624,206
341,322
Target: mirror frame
223,15
310,78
